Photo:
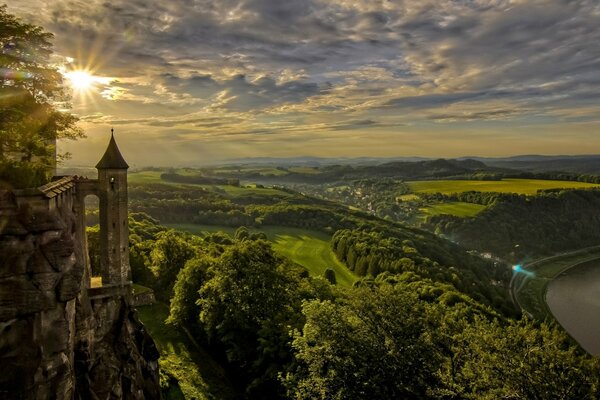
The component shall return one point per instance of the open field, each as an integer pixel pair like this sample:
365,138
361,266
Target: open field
305,247
311,250
147,177
520,186
529,289
455,208
305,170
198,375
264,171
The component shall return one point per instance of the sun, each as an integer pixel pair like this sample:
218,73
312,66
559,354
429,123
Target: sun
84,81
80,80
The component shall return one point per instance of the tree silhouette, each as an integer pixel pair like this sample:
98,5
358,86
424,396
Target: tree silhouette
32,100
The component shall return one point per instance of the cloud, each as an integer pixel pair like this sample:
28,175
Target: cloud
276,67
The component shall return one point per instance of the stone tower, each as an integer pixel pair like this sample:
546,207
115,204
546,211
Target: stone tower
114,225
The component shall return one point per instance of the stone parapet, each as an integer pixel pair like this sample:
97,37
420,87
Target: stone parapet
59,339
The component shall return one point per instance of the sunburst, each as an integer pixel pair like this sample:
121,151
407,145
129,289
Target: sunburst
84,81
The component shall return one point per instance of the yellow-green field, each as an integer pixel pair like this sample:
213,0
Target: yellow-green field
250,170
520,186
455,208
305,247
311,250
305,170
147,177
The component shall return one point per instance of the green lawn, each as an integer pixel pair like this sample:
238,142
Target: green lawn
456,208
530,291
305,247
198,375
311,250
521,186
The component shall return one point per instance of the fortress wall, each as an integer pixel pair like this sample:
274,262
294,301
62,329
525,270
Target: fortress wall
56,342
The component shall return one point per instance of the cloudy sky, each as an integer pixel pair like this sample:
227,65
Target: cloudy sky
185,82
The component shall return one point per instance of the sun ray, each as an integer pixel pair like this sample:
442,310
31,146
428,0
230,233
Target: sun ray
84,82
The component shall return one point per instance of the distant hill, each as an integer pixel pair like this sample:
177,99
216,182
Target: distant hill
405,170
316,161
579,164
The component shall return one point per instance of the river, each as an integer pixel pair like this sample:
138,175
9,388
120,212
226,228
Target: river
574,299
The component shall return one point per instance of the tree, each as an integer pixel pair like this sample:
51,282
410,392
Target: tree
31,92
374,344
518,361
247,304
184,308
170,253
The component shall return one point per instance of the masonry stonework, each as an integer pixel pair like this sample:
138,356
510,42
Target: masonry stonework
60,338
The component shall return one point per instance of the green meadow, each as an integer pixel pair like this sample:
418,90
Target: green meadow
147,177
264,171
456,208
305,247
520,186
304,170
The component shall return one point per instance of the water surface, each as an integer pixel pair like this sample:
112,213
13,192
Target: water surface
574,299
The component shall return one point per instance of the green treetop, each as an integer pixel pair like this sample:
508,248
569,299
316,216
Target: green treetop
32,100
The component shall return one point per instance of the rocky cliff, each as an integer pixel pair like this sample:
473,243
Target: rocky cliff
58,338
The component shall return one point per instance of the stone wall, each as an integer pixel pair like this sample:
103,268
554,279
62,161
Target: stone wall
55,341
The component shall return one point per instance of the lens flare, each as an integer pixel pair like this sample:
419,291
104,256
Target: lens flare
519,269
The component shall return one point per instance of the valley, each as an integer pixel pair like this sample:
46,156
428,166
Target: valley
353,232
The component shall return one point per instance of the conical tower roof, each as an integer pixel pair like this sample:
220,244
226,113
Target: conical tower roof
112,158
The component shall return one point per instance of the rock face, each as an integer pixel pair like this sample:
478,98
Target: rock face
57,339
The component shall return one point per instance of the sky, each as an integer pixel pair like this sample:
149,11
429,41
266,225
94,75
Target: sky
190,82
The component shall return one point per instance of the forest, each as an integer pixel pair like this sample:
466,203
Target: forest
548,223
416,330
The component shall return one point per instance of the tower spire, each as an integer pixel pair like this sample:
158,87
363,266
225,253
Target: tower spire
112,158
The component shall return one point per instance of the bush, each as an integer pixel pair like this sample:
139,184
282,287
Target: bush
19,175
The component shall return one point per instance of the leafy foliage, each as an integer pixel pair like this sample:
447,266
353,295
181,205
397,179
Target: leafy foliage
372,344
550,222
30,92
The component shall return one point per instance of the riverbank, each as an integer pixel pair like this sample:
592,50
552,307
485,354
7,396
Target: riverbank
574,300
569,299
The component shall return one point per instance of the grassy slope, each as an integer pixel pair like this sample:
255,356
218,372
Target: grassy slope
198,375
521,186
305,247
311,250
455,208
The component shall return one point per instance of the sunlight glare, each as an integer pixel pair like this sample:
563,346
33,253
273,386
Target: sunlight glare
84,81
80,80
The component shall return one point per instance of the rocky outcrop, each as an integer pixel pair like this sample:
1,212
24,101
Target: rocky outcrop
57,341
